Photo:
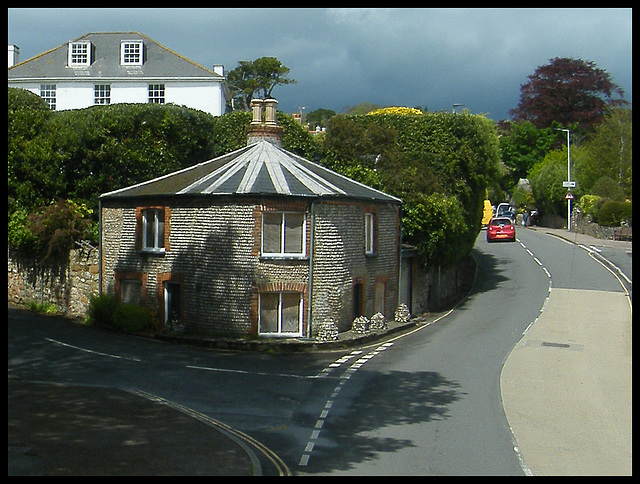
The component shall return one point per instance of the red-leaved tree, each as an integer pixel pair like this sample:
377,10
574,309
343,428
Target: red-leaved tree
568,91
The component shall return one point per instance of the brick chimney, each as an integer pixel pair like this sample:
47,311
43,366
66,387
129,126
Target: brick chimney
264,125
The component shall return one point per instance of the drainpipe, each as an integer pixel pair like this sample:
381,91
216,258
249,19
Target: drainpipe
399,271
311,254
99,247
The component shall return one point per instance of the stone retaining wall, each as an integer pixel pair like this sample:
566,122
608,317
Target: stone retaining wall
69,288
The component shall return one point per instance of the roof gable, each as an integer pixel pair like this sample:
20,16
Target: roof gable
159,61
258,169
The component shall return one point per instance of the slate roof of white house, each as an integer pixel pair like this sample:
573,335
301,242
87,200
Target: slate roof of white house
258,169
159,61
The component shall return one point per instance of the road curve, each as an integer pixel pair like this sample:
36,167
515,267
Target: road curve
566,385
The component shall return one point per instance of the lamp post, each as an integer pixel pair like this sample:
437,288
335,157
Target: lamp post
568,183
456,105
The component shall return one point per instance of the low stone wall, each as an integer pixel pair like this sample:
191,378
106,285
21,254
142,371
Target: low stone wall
69,288
437,289
584,225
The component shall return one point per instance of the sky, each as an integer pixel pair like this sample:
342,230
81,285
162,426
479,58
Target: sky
342,57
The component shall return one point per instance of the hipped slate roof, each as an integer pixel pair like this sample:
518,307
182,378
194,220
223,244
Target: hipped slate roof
257,169
159,61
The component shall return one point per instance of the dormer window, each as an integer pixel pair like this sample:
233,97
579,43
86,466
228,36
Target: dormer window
79,54
131,53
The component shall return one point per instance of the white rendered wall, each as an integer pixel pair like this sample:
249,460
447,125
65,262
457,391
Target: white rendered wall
80,94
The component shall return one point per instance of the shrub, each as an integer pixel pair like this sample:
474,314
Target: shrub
47,308
612,213
101,309
589,204
129,317
402,110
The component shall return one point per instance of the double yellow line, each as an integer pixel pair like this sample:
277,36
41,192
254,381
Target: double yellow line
277,462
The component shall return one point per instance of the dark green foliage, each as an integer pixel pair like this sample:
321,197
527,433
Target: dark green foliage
80,154
104,310
613,213
46,235
129,318
522,145
101,310
439,164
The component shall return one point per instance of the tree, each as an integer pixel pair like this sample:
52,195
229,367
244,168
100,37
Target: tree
608,153
567,91
546,181
258,76
523,145
439,164
320,117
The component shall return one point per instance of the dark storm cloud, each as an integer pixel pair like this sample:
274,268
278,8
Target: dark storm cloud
341,57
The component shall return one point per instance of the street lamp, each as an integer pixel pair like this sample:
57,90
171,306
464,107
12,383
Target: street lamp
456,105
569,184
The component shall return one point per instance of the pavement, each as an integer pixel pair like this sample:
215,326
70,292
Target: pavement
566,385
583,239
71,430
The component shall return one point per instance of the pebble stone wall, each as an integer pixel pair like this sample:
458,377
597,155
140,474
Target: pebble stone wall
214,253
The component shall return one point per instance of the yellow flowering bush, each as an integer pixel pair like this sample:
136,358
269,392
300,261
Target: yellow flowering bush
396,110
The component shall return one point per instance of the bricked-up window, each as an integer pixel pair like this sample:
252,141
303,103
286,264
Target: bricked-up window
281,313
283,234
153,230
131,291
369,232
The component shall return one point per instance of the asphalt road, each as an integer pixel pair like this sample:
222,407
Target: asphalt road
425,402
431,404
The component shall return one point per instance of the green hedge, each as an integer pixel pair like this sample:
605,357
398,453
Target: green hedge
105,310
613,213
130,317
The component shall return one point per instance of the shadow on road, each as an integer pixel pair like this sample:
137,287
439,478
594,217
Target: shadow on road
418,398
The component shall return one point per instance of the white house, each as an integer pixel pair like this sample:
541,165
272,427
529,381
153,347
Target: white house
118,67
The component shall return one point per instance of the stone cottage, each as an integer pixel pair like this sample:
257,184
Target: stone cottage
258,241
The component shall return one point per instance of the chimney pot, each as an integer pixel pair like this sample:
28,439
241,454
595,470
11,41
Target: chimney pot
270,111
267,130
256,108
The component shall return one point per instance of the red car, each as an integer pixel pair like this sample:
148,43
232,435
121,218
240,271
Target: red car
501,228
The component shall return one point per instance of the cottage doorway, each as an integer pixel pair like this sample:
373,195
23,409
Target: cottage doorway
171,302
358,300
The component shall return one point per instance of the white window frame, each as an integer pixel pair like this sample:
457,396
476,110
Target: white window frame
156,93
279,331
157,244
369,233
48,93
283,253
102,94
79,54
131,52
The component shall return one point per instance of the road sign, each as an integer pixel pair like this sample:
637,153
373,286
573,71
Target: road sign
569,196
569,184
